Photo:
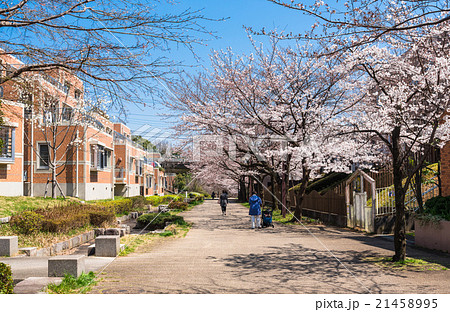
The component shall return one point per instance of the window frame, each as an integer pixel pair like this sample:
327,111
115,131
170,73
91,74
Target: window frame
40,158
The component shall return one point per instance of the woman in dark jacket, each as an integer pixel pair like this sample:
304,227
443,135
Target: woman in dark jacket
223,200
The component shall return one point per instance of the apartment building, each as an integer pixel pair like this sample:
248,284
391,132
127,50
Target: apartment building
11,149
50,134
137,171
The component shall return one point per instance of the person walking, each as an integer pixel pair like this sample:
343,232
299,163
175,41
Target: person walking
223,201
213,195
255,210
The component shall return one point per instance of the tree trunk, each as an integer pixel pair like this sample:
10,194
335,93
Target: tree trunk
400,222
283,195
242,190
53,182
300,193
273,180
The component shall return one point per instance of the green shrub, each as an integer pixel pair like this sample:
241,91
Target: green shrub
158,221
119,206
160,200
101,218
138,203
26,222
154,200
438,206
64,224
6,281
178,205
196,196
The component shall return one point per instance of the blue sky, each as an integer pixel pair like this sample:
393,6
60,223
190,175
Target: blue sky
257,14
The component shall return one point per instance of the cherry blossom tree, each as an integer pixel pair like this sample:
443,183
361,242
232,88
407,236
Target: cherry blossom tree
111,45
349,24
400,98
280,97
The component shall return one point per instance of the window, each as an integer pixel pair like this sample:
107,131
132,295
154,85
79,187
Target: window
66,113
7,138
100,157
50,112
149,181
1,92
44,155
138,167
66,87
28,112
77,94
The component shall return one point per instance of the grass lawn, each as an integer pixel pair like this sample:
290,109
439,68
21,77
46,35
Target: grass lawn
10,205
72,285
410,264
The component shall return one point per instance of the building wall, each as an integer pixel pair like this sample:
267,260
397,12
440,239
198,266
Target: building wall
445,169
11,171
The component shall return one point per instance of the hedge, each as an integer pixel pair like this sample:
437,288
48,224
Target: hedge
178,205
196,196
158,221
27,222
119,206
62,219
6,281
438,206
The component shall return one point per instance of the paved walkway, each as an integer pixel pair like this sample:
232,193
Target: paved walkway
221,254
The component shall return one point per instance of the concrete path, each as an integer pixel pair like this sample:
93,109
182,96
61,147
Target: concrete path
222,254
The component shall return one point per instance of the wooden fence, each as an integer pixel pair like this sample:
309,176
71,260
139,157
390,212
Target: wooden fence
330,202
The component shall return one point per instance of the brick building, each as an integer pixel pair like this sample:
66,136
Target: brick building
47,125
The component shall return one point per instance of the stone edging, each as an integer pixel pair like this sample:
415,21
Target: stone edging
5,220
68,244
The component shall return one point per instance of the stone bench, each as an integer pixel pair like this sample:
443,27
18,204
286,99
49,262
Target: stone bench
107,246
122,231
91,249
71,264
29,251
9,246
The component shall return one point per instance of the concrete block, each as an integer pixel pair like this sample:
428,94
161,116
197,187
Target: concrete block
112,231
87,236
99,232
70,264
75,241
5,220
123,232
44,252
29,251
9,246
107,246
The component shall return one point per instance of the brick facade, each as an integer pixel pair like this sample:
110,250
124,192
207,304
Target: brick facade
93,160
